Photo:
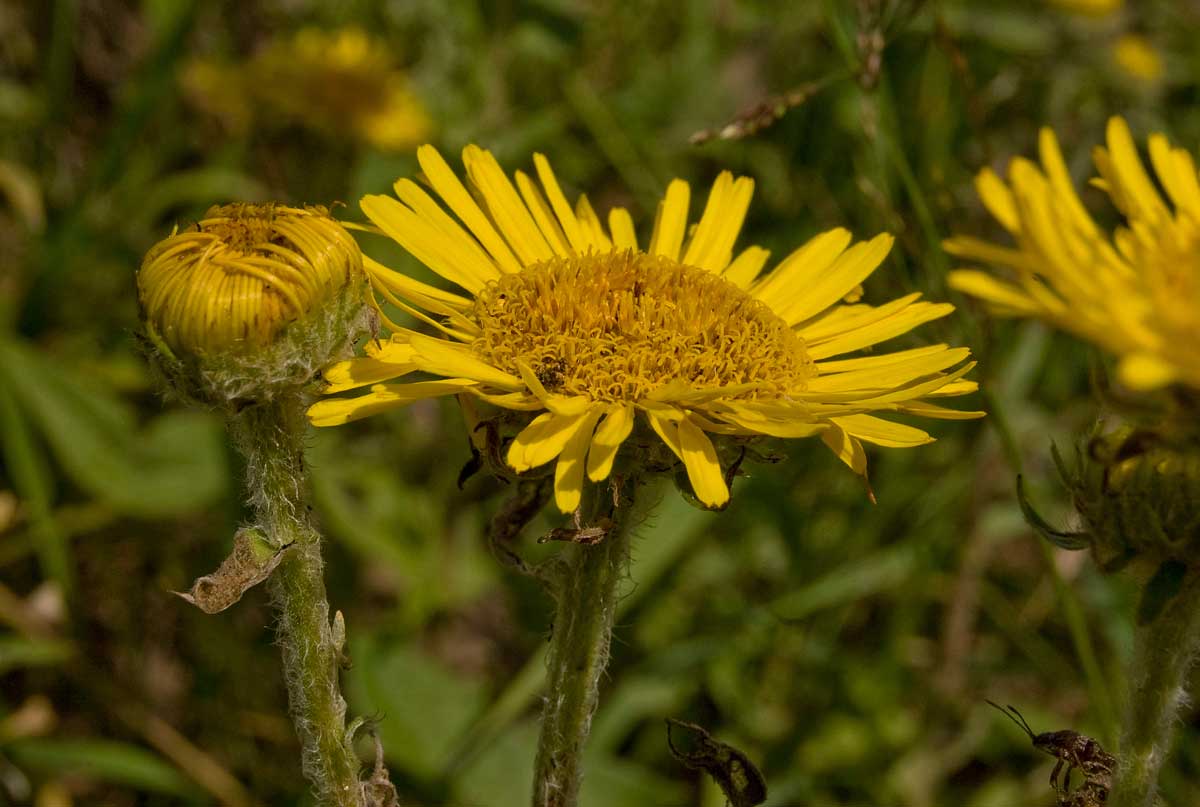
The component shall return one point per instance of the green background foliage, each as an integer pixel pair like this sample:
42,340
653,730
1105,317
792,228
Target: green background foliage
844,645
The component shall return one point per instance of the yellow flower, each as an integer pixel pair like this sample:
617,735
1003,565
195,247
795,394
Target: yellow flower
341,83
572,320
1137,56
243,274
1135,293
1093,8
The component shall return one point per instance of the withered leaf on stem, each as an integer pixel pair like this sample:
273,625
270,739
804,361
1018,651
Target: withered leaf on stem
251,561
732,770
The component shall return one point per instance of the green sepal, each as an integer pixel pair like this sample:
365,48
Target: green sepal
1060,538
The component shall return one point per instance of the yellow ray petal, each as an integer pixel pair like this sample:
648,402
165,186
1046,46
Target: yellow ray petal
520,401
458,199
617,425
666,425
711,246
448,257
703,467
539,208
976,249
881,359
670,223
786,422
746,266
568,473
801,268
428,297
1060,180
1130,175
559,404
902,321
848,271
986,287
542,440
847,449
882,432
890,376
505,206
444,225
1177,172
591,222
1145,371
446,358
998,199
620,223
336,411
577,236
928,410
390,361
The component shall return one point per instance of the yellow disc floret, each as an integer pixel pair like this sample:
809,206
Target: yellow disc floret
617,326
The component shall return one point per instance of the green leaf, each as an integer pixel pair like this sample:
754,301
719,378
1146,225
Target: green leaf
500,775
175,464
850,582
423,706
105,760
34,484
19,651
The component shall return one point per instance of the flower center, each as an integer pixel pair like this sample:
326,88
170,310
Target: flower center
616,326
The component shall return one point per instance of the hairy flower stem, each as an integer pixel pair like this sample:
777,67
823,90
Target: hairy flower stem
582,632
1164,651
271,437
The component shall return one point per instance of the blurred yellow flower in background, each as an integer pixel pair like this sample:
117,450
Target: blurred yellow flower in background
1094,8
340,83
1134,292
1135,54
575,321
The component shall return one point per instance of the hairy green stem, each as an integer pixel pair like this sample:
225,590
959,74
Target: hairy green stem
1164,652
271,436
582,631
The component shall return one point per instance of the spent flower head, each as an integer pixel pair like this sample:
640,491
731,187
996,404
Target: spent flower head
596,336
1135,292
252,300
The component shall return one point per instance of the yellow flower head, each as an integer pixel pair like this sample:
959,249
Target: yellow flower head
338,82
1138,57
574,320
341,83
222,293
1134,292
1091,8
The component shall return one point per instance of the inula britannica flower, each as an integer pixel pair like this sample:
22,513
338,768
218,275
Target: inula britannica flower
1134,292
240,311
593,332
341,83
253,297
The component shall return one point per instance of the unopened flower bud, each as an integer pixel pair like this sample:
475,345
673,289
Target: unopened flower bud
252,301
1139,495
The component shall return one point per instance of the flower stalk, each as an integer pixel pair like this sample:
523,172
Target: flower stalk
1165,650
270,435
587,594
